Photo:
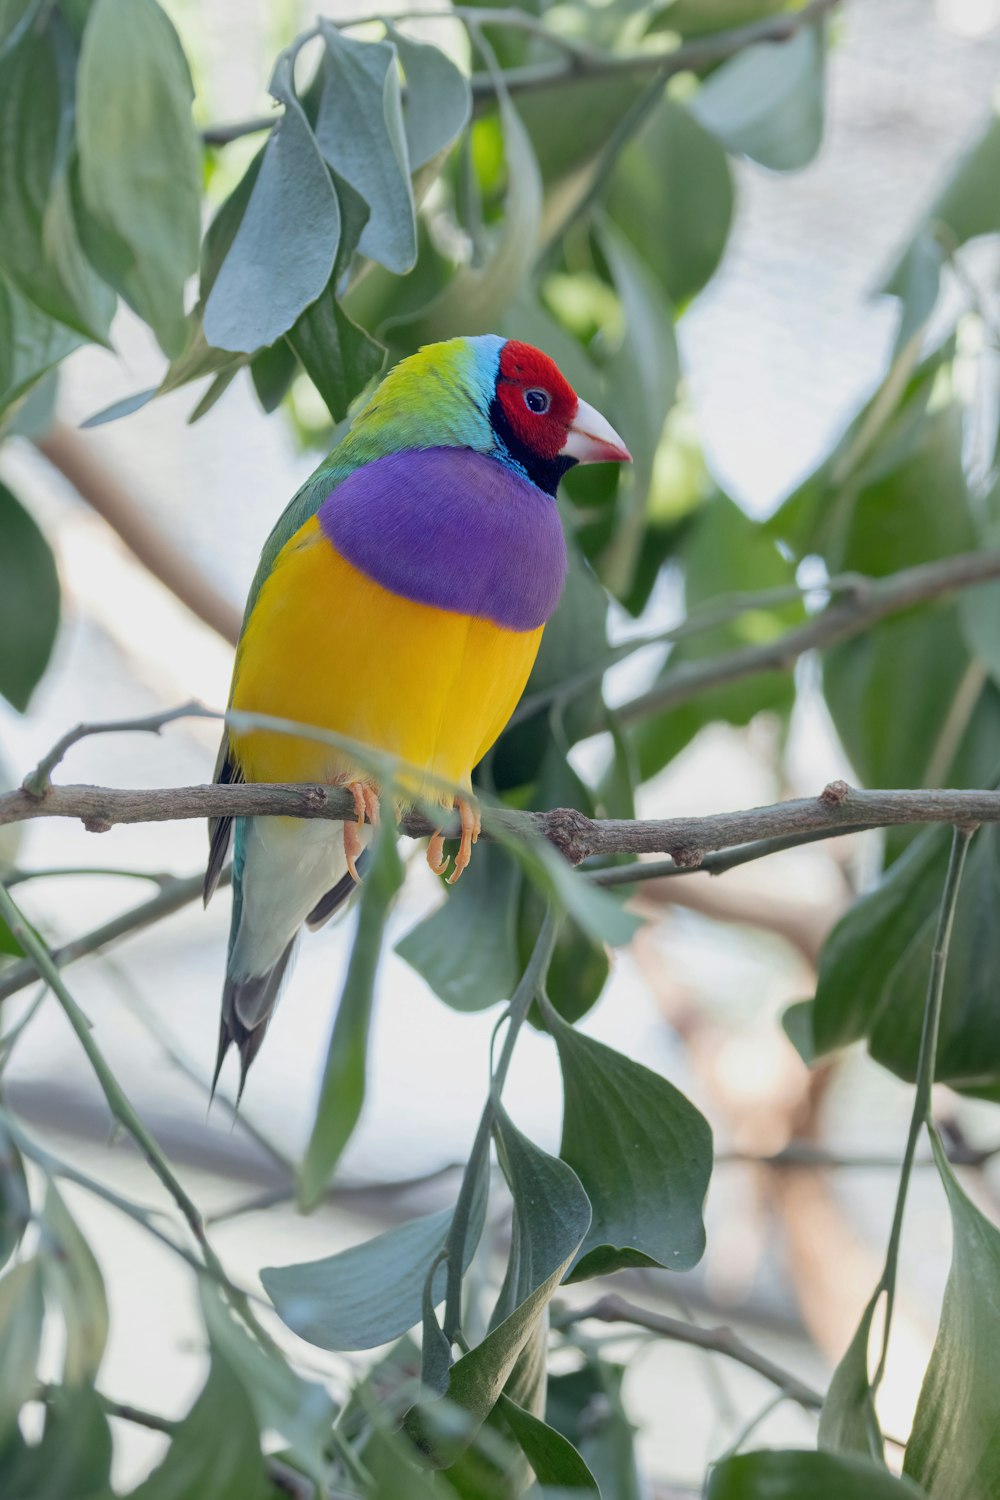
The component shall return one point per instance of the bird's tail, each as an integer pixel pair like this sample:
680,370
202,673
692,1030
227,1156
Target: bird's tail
253,994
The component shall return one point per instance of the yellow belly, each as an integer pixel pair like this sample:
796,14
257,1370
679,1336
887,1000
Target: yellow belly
327,646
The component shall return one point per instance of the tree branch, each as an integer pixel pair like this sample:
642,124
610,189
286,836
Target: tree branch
838,809
691,57
871,602
615,1309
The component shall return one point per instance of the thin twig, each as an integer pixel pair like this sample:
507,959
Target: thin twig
691,57
612,1308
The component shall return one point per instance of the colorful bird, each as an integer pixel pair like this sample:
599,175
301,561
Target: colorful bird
400,601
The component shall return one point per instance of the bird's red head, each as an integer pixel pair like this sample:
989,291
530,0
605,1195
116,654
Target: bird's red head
542,421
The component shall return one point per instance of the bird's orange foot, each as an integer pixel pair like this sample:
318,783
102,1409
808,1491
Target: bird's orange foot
366,805
471,829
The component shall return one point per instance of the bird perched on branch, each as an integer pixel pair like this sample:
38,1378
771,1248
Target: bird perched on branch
399,601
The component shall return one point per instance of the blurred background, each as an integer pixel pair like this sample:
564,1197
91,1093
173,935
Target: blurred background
779,351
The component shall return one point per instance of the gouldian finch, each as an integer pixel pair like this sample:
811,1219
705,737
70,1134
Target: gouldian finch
400,600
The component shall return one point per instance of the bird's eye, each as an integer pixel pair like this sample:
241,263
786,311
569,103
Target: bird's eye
537,401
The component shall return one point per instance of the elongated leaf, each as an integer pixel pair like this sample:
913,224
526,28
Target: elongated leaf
467,950
15,18
551,1214
601,916
21,1311
339,357
215,1450
644,1156
677,164
282,253
15,1199
75,1281
40,248
360,131
793,1475
140,159
586,1406
848,1423
954,1448
342,1090
272,371
766,102
373,1292
552,1457
29,601
300,1410
438,100
73,1457
31,344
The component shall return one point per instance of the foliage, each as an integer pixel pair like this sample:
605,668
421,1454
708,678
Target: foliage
567,175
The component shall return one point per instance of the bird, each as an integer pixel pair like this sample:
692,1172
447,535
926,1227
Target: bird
399,601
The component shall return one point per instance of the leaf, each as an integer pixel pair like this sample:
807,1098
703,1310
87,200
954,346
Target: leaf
677,164
551,1214
373,1292
792,1475
272,371
29,602
300,1410
342,1090
40,249
466,950
848,1422
140,159
475,296
21,1312
282,253
15,18
73,1457
585,1405
74,1278
437,102
31,343
766,102
954,1448
339,357
359,130
601,915
15,1199
967,207
643,1153
552,1457
215,1450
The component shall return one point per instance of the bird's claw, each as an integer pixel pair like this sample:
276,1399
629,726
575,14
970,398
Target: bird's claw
366,805
471,829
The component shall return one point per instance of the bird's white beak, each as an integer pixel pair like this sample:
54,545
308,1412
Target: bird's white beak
592,439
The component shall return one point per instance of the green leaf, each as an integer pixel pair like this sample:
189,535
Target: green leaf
342,1090
74,1279
40,249
766,102
467,949
215,1450
29,603
643,1153
552,1457
373,1292
31,343
15,1199
968,206
551,1214
954,1448
272,371
15,18
140,159
300,1410
73,1457
675,163
360,131
601,915
438,101
476,296
282,253
848,1422
22,1309
792,1475
339,357
585,1405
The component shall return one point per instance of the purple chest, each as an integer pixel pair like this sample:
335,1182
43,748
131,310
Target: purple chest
454,529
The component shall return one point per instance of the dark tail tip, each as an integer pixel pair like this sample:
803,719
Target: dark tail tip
254,995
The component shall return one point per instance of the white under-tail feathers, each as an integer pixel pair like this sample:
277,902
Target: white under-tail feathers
290,866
